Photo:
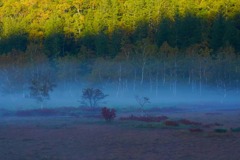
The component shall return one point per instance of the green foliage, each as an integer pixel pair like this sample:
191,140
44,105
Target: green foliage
220,130
217,32
16,41
101,44
187,31
54,45
164,31
180,23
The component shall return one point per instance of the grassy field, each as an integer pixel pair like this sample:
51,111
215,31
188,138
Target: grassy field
83,134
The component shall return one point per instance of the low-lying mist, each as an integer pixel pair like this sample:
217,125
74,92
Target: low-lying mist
71,96
166,83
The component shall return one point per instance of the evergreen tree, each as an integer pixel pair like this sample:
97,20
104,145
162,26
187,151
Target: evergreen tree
163,31
217,32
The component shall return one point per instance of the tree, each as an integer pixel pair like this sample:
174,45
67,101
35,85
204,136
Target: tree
232,35
92,96
13,42
142,101
101,42
40,86
54,45
163,31
218,31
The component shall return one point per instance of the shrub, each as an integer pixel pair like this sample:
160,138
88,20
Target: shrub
108,114
235,129
212,125
36,112
195,130
171,123
220,130
144,118
188,122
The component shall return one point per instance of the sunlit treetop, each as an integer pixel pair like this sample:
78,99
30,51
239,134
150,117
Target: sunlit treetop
105,26
42,17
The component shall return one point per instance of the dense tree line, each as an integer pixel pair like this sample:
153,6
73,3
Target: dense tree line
123,43
136,67
64,26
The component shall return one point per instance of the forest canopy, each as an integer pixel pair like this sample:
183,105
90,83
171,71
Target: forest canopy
104,26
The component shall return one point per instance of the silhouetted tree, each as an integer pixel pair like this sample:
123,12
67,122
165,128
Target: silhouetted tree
217,33
142,101
40,86
17,42
163,31
92,97
54,45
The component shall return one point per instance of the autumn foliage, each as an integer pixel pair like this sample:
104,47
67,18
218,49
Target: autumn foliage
108,114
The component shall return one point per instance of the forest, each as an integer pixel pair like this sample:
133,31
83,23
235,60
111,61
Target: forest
123,44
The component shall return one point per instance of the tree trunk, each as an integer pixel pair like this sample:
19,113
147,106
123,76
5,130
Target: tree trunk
151,85
119,79
134,81
157,83
142,73
200,79
175,78
164,73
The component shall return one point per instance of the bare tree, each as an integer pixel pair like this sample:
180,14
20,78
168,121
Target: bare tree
142,101
92,97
